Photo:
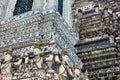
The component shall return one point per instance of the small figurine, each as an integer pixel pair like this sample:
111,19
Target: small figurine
19,61
49,61
76,71
6,66
63,71
85,76
65,56
56,56
39,53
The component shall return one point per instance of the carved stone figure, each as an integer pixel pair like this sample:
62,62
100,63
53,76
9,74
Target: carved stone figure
76,71
26,58
17,64
63,71
85,76
49,60
40,64
6,66
65,56
19,61
39,56
56,56
70,72
37,62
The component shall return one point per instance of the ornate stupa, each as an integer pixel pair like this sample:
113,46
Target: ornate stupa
97,23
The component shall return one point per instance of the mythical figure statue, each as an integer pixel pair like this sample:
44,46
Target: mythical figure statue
6,66
25,68
63,71
56,56
37,62
17,63
65,56
70,72
50,59
76,71
85,76
39,56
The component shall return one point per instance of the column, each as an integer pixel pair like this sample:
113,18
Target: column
51,4
3,5
67,11
10,8
37,4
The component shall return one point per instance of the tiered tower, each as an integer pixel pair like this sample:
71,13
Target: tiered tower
97,47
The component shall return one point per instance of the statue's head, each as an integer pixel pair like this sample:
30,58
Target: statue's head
55,51
8,57
75,66
64,51
37,50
